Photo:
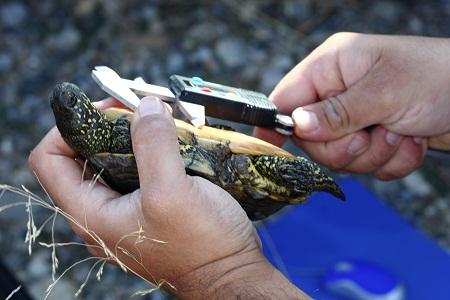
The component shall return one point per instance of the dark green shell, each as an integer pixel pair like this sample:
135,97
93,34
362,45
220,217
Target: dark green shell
261,177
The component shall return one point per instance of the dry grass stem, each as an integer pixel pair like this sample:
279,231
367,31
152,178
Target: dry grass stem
13,292
110,255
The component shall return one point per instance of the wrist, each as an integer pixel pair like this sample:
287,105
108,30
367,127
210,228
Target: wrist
256,281
245,275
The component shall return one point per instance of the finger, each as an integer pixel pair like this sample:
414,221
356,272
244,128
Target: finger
156,148
113,102
295,89
109,102
359,106
337,154
337,89
408,158
441,142
54,164
329,70
383,146
270,136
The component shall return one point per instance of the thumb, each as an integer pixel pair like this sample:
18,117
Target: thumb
155,146
340,115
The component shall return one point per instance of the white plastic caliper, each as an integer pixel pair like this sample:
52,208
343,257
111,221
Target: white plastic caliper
126,91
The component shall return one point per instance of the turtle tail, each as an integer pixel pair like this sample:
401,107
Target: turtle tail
301,170
327,184
300,174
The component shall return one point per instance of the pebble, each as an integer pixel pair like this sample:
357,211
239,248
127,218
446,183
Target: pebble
416,25
63,290
6,62
84,7
6,146
65,40
40,264
22,176
417,184
201,55
298,9
13,14
269,79
389,11
175,62
232,52
278,66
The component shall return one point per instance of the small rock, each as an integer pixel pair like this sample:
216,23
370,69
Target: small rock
205,31
298,9
269,79
6,62
84,7
201,55
67,39
175,62
278,66
46,120
63,289
40,264
417,184
231,52
13,14
389,11
22,176
415,25
6,146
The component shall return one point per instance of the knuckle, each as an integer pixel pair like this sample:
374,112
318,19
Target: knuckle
32,159
376,160
335,164
149,126
162,200
83,233
415,160
412,157
386,175
156,201
401,168
335,113
341,36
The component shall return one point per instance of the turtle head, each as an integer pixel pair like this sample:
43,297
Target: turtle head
84,128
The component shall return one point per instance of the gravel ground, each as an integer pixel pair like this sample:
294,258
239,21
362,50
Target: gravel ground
250,44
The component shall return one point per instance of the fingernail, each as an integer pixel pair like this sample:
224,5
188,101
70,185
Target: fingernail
418,140
391,138
150,106
305,120
357,144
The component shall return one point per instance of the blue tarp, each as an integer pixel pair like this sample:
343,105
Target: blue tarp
308,239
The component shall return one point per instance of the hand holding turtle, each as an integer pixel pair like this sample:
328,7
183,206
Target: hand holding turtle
396,86
210,247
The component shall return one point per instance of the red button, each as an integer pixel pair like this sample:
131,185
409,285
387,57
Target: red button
206,89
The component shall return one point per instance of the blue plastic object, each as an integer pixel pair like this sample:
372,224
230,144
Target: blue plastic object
307,240
362,280
196,80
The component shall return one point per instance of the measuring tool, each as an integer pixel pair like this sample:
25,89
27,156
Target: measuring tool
197,98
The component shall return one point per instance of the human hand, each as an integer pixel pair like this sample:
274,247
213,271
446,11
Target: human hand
210,247
396,85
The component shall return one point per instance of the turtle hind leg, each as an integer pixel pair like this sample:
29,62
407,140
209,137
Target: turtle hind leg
327,184
301,175
198,161
258,195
